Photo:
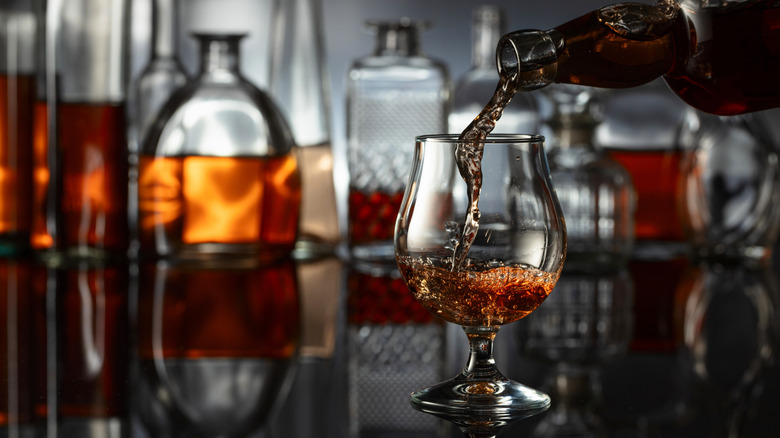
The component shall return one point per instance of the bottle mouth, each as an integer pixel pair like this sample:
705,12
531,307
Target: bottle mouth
530,55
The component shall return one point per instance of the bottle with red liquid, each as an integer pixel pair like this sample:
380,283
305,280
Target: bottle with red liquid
719,57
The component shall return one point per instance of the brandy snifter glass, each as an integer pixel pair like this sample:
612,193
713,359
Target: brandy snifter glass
505,271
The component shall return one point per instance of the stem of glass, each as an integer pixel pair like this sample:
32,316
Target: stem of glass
481,365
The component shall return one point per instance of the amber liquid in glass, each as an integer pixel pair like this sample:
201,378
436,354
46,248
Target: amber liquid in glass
93,173
218,313
655,175
477,296
17,94
238,201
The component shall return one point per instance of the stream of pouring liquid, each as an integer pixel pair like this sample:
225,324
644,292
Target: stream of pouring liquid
468,156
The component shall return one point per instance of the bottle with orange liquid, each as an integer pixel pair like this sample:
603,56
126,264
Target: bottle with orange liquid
721,57
17,91
216,172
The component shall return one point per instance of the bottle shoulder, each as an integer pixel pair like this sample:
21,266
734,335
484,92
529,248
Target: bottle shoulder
219,119
408,67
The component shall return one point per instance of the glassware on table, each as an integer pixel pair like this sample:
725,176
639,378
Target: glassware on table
17,94
300,84
393,94
596,192
88,156
217,176
729,193
514,261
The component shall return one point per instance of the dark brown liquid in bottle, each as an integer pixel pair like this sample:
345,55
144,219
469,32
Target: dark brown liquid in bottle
721,60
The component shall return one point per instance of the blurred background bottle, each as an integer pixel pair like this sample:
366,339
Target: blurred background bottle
393,95
474,88
17,97
217,176
91,142
596,192
301,85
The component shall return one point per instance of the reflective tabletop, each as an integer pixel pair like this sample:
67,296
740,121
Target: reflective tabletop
333,348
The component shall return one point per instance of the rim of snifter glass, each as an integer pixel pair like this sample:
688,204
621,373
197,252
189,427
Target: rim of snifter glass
492,138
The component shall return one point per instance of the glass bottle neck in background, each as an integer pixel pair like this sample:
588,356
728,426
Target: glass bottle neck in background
219,53
165,29
398,38
487,28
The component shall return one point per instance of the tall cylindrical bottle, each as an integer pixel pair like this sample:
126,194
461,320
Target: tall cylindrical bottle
393,95
17,95
300,83
217,177
87,159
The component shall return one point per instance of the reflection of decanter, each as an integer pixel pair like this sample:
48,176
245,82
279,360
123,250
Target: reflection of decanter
595,192
583,324
729,190
216,345
721,57
729,327
395,347
393,95
216,174
479,82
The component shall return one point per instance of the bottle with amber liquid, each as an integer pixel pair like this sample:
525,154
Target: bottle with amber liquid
216,173
720,57
81,191
17,92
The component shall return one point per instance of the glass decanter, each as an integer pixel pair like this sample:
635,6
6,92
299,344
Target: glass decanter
596,192
485,275
393,94
217,176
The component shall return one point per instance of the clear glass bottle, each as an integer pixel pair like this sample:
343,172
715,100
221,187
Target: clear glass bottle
729,193
217,176
477,84
595,192
164,73
393,95
300,83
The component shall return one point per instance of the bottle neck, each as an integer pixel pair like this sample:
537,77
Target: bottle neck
219,53
487,28
397,39
570,131
165,28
